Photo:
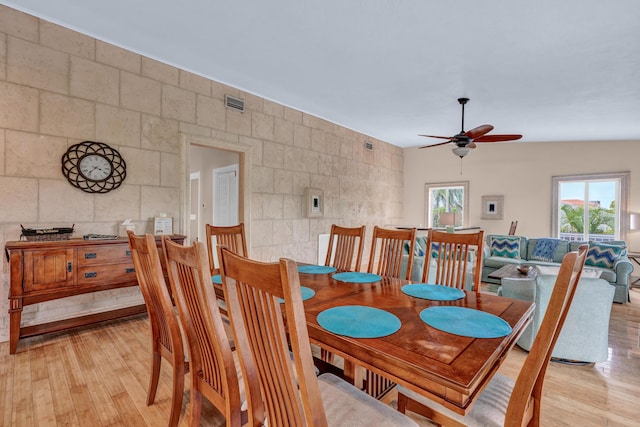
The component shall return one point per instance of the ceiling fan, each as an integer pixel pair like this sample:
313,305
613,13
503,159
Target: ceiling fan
466,141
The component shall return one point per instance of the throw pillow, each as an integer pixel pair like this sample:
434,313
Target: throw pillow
544,250
435,247
603,255
505,246
417,249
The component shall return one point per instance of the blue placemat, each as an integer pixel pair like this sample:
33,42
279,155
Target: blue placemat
316,269
356,277
466,322
358,321
433,292
307,293
217,279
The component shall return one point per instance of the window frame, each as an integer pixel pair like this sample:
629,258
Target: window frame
465,202
623,219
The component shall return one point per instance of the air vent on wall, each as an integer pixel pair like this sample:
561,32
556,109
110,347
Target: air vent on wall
234,103
368,146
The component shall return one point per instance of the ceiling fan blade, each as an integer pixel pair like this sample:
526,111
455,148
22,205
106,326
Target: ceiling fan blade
497,138
478,131
435,145
471,144
434,136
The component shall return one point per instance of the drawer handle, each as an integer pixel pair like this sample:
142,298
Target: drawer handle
90,275
130,270
92,255
128,252
69,267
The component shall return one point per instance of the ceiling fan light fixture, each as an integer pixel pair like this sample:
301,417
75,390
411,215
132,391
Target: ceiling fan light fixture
461,151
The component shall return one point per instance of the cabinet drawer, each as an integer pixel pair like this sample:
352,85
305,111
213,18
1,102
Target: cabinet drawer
112,254
100,275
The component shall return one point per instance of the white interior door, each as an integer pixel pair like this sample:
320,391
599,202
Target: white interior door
225,195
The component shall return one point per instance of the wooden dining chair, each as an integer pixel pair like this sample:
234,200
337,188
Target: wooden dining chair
213,371
234,238
450,252
287,394
386,253
512,228
166,338
503,402
348,243
385,259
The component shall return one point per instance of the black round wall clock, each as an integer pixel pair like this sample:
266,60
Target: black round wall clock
94,167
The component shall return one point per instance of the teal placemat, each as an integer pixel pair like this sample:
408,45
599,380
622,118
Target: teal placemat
217,279
358,321
307,293
466,322
316,269
356,277
433,292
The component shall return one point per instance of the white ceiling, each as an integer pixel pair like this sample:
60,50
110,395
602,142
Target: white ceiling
553,70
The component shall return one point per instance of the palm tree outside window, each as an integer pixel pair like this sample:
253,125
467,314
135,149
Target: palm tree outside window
446,197
591,207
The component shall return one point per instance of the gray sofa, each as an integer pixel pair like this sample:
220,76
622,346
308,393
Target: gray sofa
585,334
617,275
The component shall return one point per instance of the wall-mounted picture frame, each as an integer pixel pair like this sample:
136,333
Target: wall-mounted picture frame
314,202
492,207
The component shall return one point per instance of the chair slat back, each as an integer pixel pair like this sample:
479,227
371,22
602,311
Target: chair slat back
452,251
233,237
213,370
512,228
252,291
387,251
525,403
164,324
348,243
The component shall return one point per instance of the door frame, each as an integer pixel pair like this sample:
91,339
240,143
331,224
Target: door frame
194,176
244,178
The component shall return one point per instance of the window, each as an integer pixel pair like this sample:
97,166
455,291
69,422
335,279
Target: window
446,197
591,207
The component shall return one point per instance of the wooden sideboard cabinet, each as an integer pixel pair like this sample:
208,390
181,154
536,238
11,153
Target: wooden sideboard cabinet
48,270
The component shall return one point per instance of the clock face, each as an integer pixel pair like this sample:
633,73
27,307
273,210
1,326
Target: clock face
95,167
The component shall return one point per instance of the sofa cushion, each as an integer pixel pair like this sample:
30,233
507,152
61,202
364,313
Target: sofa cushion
547,249
604,255
505,246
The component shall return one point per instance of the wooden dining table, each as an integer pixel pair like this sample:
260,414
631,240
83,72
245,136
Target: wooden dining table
447,368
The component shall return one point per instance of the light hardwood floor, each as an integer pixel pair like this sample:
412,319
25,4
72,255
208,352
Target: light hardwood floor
97,376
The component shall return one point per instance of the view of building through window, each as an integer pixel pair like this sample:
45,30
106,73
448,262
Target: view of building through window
589,207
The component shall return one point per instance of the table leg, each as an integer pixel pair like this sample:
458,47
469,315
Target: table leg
354,374
15,316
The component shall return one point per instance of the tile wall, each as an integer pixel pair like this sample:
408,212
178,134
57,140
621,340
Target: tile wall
59,87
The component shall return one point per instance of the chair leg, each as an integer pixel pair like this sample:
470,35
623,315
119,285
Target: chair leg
196,406
402,403
156,360
178,391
